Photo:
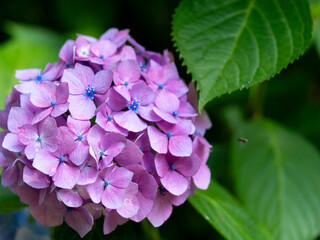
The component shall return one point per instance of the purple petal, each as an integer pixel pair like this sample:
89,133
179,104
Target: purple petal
45,216
162,165
10,176
28,134
95,190
129,71
66,53
35,179
103,48
45,162
78,127
177,87
65,140
203,177
27,74
161,210
130,121
17,118
158,140
148,114
80,220
44,95
88,175
174,182
142,92
81,107
40,115
187,166
12,143
113,197
130,155
180,146
59,109
130,207
116,101
70,198
53,71
79,154
145,206
168,117
111,221
183,128
62,93
167,102
66,176
121,177
102,81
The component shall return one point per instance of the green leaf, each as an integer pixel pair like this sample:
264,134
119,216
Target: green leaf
9,202
277,177
218,207
231,44
28,47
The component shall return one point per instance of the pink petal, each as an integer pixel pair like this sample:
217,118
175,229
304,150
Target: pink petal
66,176
45,216
59,109
26,74
177,87
180,146
161,210
103,48
35,179
111,221
167,102
28,134
80,220
130,155
102,81
113,197
147,113
121,177
130,121
78,127
10,176
168,117
40,115
115,100
145,206
174,182
88,175
203,177
162,165
158,140
70,198
43,95
95,190
187,166
12,143
79,154
66,53
129,71
62,93
142,92
17,118
74,80
45,162
81,107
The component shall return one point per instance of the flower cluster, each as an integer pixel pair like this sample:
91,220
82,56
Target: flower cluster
110,130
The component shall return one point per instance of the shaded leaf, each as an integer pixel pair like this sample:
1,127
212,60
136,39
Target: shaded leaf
277,177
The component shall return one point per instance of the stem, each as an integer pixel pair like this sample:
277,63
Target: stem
256,97
151,232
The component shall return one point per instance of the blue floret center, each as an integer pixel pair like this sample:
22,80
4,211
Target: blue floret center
62,159
135,104
90,92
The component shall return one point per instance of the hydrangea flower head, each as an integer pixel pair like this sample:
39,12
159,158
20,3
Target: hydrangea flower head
110,130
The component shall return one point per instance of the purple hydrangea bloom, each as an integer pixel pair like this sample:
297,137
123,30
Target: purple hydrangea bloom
110,130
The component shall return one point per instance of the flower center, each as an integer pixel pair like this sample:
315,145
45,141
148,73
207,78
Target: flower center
160,86
62,159
102,56
169,134
53,104
90,92
106,183
68,64
69,209
126,83
39,139
39,79
162,191
173,167
196,132
110,117
102,153
80,137
175,113
141,149
135,104
142,66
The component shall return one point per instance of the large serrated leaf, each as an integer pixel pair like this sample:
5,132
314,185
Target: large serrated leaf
277,177
231,44
218,207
